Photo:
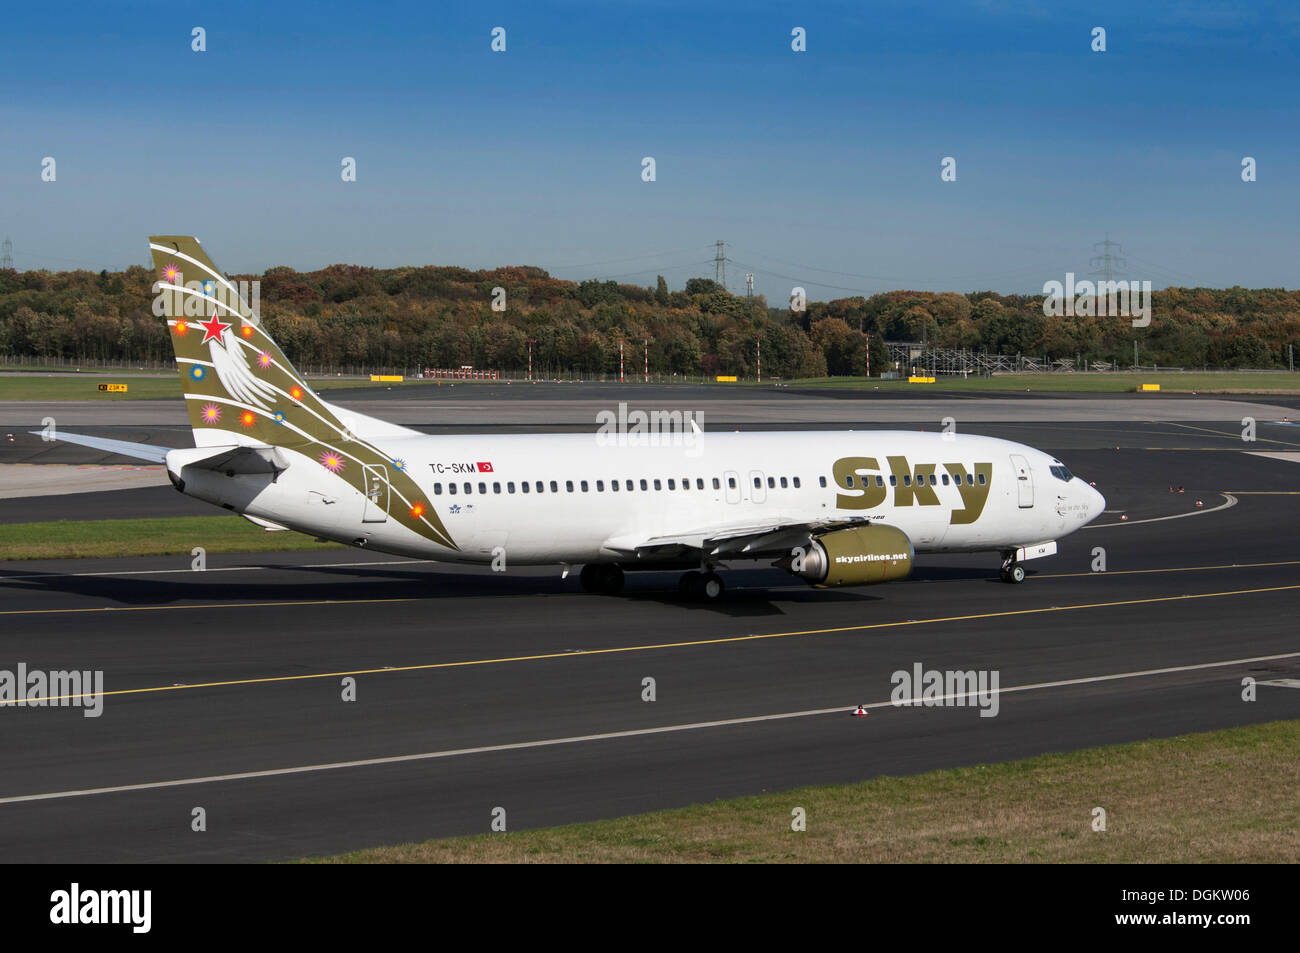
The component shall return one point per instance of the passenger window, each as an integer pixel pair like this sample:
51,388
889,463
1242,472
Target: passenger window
717,484
540,486
524,486
970,479
731,483
784,484
848,480
907,479
555,486
699,483
451,488
628,486
880,480
568,485
672,484
893,480
821,481
496,487
469,487
482,487
600,486
932,479
658,485
613,485
758,482
437,489
583,484
771,483
945,479
981,479
644,485
796,483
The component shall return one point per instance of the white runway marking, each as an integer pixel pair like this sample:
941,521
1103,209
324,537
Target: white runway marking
605,736
166,572
1232,501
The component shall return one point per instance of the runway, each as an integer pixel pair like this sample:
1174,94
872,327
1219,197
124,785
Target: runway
519,691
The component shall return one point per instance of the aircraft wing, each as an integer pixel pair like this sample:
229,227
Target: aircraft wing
744,541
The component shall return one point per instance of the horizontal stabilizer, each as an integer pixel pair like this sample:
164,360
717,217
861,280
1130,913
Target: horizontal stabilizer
229,459
123,448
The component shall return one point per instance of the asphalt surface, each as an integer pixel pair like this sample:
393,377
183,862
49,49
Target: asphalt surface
240,670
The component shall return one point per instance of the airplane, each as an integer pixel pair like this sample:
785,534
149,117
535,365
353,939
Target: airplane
831,508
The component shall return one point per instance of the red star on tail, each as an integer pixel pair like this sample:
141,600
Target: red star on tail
212,330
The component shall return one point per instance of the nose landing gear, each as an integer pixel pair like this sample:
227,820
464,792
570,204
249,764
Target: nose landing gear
1012,571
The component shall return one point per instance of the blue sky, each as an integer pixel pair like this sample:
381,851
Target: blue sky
827,159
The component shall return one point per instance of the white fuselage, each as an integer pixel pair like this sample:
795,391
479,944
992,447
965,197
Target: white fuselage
734,479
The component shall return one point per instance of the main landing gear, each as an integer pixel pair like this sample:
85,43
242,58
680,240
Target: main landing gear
1012,571
604,578
706,586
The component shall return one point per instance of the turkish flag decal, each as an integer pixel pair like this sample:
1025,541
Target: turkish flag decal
484,467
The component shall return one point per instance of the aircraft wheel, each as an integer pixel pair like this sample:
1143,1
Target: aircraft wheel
610,580
711,587
589,578
1016,574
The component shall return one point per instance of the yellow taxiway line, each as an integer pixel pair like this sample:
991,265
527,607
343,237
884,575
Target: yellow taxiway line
723,640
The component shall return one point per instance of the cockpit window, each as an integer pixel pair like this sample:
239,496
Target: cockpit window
1061,473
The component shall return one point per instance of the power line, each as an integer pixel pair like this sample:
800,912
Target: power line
657,269
895,278
617,261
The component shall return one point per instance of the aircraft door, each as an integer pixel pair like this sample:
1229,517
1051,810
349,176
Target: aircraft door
376,495
1024,480
731,479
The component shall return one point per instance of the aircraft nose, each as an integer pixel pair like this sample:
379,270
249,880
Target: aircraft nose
1096,503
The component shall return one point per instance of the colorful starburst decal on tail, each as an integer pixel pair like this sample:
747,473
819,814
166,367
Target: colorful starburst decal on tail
331,461
247,419
211,414
172,273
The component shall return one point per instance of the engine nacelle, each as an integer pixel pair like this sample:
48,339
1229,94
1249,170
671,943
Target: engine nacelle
858,556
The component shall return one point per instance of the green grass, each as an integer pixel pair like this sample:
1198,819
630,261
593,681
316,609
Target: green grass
1170,382
85,387
1219,797
69,539
39,387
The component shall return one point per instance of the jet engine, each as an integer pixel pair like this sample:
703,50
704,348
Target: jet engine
858,556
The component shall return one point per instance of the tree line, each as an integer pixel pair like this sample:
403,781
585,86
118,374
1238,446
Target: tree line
443,317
